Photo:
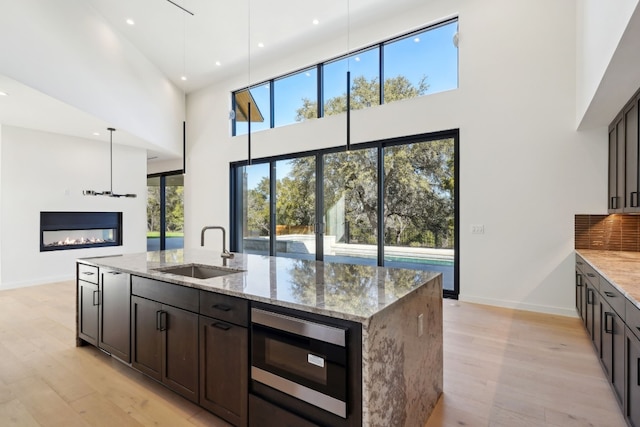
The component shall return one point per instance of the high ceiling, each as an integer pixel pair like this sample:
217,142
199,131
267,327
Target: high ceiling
210,42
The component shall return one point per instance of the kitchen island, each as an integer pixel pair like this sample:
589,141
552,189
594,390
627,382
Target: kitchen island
397,315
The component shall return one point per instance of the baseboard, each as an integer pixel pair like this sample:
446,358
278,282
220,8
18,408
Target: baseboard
560,311
35,282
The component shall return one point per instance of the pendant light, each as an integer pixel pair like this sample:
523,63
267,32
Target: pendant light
249,82
110,192
348,144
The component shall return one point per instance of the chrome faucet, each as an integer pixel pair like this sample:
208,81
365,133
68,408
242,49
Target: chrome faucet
225,253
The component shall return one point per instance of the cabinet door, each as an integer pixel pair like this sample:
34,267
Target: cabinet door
263,413
115,313
613,349
579,286
616,166
632,396
590,309
224,369
146,351
632,204
180,347
88,299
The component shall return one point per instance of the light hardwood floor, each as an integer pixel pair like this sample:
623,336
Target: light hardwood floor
502,368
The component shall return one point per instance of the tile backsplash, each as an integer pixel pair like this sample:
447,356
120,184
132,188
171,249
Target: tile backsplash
608,232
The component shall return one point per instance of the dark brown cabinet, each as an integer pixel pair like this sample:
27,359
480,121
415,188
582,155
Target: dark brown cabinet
224,356
263,413
612,351
104,309
632,389
115,313
224,369
88,300
164,336
624,152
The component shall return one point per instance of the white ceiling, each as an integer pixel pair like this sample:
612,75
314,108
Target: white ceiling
179,43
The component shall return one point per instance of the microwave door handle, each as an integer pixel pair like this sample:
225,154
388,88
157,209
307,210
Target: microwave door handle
302,327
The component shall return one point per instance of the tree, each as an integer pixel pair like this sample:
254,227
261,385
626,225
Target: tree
364,93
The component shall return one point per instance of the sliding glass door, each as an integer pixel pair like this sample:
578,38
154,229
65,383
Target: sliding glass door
165,211
390,203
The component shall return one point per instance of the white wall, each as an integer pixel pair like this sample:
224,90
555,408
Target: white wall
66,50
47,172
524,170
600,28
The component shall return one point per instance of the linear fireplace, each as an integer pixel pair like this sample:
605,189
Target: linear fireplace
75,230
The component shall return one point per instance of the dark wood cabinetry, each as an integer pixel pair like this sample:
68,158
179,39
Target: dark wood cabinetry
164,337
624,152
115,313
104,309
263,413
612,351
224,356
88,300
632,389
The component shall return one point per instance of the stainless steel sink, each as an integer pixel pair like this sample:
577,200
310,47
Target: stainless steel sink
198,271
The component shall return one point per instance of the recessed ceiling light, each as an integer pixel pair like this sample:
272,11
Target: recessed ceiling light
315,22
3,93
218,63
308,74
357,59
131,21
183,78
417,40
260,44
96,133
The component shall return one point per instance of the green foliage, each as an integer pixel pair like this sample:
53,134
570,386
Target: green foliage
418,183
174,201
364,93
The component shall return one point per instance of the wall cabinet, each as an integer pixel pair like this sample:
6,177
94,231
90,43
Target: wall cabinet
624,152
165,337
224,346
104,309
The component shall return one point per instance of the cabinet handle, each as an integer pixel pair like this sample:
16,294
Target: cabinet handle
610,294
589,296
608,316
220,325
638,371
221,307
88,273
579,262
96,301
632,203
578,279
614,202
114,272
161,320
591,275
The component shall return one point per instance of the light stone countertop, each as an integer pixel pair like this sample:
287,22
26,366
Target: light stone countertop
621,269
346,291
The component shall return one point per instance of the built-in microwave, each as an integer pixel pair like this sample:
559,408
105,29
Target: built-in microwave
301,358
306,364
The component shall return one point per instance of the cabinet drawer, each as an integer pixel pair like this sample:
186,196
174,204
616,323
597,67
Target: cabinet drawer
224,307
588,272
632,318
88,273
615,299
166,293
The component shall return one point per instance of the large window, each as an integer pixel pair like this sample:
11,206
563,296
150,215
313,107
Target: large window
288,93
416,64
421,63
165,211
388,203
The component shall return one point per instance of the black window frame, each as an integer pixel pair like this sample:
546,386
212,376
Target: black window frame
163,202
235,205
